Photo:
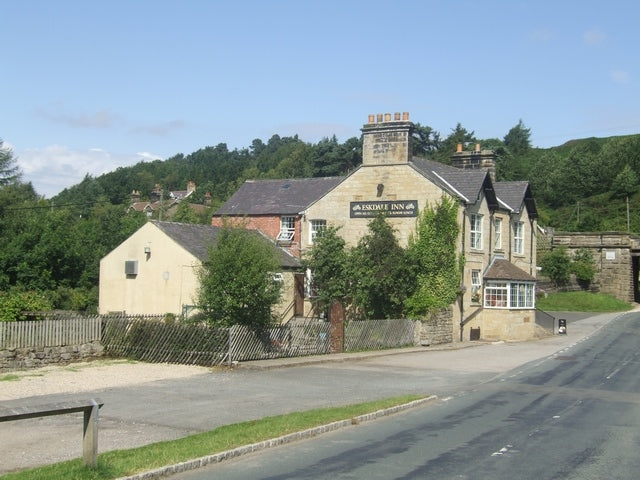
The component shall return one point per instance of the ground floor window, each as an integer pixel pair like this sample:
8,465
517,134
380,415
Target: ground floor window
502,294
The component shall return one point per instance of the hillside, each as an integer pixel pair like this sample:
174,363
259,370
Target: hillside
580,185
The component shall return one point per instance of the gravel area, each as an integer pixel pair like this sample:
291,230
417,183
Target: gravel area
85,376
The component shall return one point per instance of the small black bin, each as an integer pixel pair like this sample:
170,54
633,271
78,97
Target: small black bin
562,326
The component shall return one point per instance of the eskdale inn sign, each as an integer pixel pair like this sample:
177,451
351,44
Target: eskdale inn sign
390,208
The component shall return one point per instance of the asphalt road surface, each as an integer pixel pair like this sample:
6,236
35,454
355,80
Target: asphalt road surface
573,415
166,409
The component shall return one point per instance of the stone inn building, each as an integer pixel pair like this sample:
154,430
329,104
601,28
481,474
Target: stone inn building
497,222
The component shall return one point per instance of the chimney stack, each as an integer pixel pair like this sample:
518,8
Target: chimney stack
387,141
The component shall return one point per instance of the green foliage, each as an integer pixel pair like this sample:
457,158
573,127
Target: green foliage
518,139
236,280
327,260
581,302
9,171
16,305
626,182
379,273
557,266
425,140
73,299
435,263
582,266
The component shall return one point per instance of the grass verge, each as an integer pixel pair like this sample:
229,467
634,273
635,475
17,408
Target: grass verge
119,463
581,302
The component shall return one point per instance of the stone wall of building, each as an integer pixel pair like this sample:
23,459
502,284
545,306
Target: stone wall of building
25,358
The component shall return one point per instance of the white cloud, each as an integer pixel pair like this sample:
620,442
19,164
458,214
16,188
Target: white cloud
620,76
593,37
99,119
53,168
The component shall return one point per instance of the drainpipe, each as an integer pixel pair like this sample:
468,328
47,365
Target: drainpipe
461,301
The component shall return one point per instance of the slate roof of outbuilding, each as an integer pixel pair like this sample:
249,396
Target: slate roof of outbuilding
197,239
277,197
502,269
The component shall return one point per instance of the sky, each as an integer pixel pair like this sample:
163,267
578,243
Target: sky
88,86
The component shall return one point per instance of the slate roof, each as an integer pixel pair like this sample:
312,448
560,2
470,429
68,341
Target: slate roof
197,239
465,184
516,195
277,197
502,269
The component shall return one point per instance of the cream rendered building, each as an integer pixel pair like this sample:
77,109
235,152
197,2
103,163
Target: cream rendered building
154,271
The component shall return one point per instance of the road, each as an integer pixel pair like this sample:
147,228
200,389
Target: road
148,412
573,415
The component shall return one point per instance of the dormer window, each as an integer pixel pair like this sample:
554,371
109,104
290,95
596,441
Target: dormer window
287,228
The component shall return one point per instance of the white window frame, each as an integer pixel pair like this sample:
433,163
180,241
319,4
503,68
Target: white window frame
476,286
316,226
513,295
287,228
518,238
522,295
476,231
497,230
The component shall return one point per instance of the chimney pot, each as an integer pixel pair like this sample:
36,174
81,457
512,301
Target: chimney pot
477,147
379,117
371,118
396,116
387,117
459,147
405,116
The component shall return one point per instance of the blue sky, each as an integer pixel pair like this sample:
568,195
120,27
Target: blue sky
92,86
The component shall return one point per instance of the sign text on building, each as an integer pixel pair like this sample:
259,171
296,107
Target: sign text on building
390,208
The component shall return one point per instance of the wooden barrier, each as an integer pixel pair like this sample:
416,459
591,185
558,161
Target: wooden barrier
90,425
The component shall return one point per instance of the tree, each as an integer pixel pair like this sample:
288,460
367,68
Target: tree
425,140
448,146
9,171
327,262
557,266
434,259
626,182
237,284
186,214
379,273
518,139
582,266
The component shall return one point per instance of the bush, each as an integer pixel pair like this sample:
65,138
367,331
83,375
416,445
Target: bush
16,305
557,266
582,266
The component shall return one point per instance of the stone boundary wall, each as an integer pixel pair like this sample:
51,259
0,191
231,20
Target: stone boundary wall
437,329
36,357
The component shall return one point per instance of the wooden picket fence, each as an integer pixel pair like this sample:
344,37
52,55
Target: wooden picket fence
50,332
379,334
160,339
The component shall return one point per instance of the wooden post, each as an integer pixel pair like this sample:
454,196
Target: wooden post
336,320
90,436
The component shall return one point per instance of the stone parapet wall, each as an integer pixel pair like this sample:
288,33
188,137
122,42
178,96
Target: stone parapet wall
36,357
612,255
